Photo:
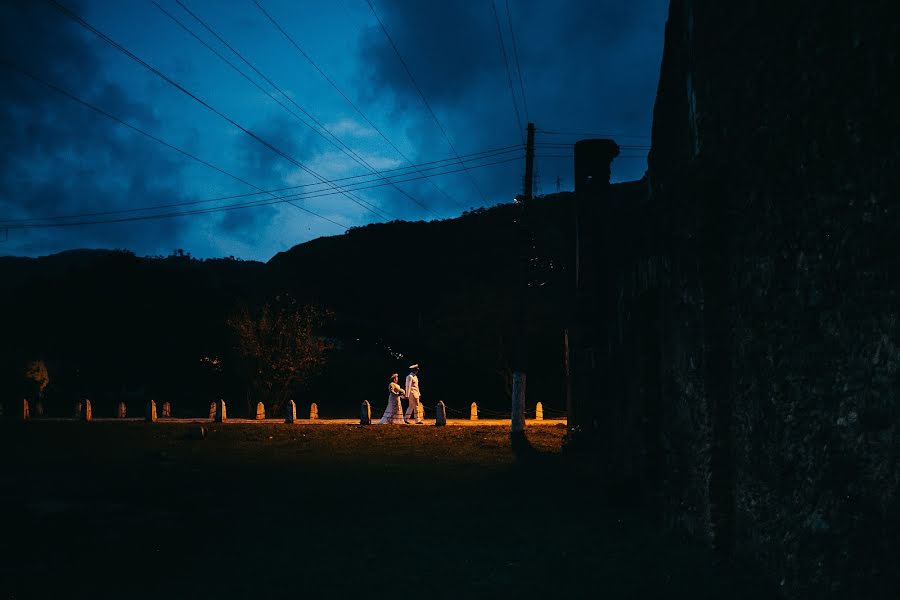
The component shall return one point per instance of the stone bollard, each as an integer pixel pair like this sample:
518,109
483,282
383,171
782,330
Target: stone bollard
290,412
197,431
440,418
221,416
121,413
150,414
167,409
420,413
260,411
539,412
365,413
313,411
212,410
86,414
26,410
473,414
78,409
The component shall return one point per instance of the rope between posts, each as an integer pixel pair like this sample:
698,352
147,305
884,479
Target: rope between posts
555,413
496,414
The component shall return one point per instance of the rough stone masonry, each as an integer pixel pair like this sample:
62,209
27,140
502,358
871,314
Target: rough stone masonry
753,289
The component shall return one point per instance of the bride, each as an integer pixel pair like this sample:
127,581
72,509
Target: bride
393,414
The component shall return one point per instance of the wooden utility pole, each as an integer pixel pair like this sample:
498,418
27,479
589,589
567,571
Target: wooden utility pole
529,163
520,353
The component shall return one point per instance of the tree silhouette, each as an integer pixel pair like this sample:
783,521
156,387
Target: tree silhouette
281,347
36,371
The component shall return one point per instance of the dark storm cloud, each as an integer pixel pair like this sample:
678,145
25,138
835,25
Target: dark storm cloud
59,157
452,47
586,63
443,61
285,133
269,170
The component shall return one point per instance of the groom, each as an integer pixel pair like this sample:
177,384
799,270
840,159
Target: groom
412,392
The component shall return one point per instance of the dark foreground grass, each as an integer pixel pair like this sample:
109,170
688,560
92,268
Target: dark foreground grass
132,510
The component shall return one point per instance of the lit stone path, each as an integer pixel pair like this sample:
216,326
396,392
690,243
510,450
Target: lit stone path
317,422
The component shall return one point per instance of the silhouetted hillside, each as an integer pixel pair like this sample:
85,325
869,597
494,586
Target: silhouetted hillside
114,326
441,294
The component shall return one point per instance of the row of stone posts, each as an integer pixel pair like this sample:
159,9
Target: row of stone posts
217,412
84,412
365,413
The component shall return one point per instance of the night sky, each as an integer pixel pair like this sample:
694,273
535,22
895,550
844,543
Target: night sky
587,66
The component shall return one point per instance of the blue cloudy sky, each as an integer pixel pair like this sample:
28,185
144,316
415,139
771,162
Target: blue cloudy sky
587,66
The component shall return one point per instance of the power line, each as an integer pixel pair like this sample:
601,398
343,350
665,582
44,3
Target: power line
508,76
369,206
472,158
468,157
589,134
572,144
99,110
644,156
275,200
512,34
344,96
422,95
340,145
75,17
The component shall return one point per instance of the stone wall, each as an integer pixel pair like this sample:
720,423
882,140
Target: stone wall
754,351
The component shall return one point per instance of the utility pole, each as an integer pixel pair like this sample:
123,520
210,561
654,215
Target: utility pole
529,164
520,352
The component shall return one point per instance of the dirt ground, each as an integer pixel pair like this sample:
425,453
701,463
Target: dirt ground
138,510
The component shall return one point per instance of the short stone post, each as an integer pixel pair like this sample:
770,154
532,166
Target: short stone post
121,413
212,410
313,412
365,413
260,411
539,412
440,418
420,412
150,414
220,411
78,409
167,409
473,414
290,412
26,410
86,414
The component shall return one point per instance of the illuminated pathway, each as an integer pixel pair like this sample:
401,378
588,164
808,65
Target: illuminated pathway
428,422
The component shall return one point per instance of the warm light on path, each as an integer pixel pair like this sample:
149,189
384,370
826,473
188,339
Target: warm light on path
325,422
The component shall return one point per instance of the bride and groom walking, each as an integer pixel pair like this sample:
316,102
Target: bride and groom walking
393,414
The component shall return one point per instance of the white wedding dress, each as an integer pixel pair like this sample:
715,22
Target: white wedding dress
393,414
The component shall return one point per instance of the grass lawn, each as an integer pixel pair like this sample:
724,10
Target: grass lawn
132,510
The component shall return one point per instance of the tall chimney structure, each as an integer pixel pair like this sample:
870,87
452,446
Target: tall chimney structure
587,342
